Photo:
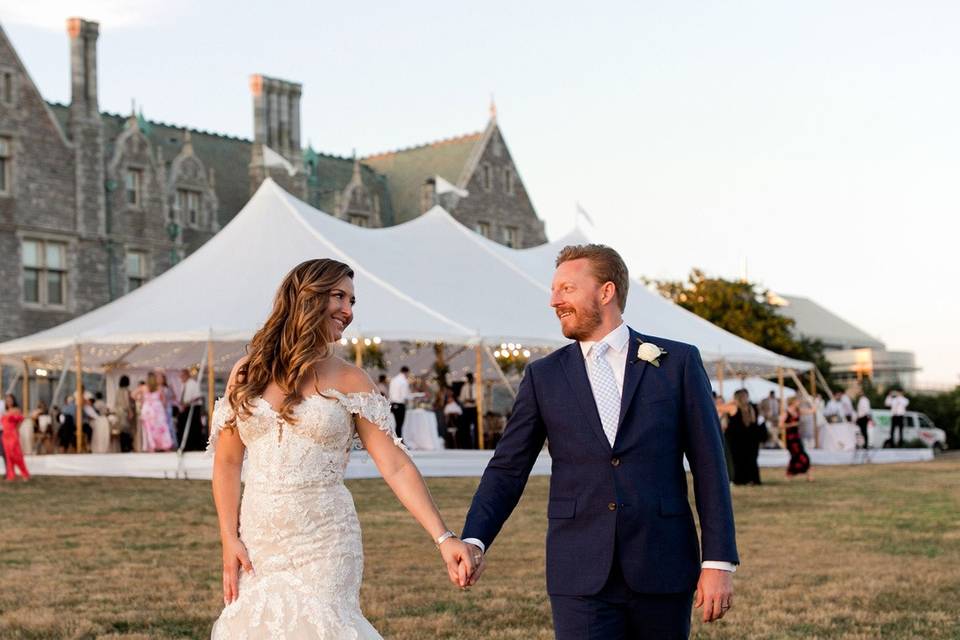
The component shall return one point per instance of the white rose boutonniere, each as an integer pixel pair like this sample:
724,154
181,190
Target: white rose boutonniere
649,352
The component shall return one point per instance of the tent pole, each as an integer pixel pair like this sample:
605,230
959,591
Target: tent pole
783,406
210,382
813,383
478,382
26,388
78,408
358,354
55,399
720,368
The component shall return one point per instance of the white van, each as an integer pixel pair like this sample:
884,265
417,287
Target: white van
916,426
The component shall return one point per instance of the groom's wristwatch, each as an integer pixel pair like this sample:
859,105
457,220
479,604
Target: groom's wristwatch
443,537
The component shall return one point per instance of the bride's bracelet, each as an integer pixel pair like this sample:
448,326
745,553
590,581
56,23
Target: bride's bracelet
446,535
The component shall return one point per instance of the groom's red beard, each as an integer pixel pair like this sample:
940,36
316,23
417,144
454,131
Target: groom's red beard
585,322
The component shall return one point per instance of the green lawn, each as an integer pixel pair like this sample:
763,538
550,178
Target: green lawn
863,552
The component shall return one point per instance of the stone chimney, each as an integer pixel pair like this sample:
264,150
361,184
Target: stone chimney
276,124
83,67
276,115
85,128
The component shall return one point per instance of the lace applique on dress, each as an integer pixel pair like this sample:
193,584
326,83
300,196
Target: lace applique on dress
222,413
372,407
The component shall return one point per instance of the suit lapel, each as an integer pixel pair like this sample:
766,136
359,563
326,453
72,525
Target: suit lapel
635,368
576,371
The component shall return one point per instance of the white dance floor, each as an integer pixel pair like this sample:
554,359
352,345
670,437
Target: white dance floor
431,463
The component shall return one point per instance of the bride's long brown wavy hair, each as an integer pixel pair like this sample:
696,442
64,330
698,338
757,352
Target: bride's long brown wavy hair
292,340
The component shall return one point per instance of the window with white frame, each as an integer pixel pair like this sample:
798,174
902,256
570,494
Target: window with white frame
44,272
133,185
6,165
136,269
511,237
483,228
188,204
508,180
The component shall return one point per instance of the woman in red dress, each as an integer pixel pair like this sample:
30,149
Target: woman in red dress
11,420
799,460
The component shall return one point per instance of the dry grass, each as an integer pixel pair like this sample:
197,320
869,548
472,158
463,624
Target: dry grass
864,552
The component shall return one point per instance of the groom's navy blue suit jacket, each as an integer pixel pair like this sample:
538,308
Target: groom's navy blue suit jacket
626,503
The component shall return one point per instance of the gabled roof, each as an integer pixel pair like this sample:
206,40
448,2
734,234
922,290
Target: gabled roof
814,321
331,174
229,157
407,169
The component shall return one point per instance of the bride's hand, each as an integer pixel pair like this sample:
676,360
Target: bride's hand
460,565
234,557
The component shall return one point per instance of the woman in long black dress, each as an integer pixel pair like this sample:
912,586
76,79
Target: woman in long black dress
742,434
799,460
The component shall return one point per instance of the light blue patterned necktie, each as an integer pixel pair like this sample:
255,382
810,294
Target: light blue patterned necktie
605,392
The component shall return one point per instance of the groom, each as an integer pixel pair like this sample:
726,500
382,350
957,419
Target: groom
620,410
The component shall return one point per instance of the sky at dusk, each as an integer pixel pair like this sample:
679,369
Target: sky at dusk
813,146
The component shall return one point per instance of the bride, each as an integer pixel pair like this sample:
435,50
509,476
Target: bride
292,557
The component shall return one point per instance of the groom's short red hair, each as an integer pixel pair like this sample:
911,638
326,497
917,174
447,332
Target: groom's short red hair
607,266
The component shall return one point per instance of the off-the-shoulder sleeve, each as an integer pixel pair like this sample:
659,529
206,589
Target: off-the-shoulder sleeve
372,407
222,412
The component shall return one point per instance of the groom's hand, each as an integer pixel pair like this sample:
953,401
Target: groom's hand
480,563
714,593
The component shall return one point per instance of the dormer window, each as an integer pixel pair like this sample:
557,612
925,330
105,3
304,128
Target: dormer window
188,204
133,183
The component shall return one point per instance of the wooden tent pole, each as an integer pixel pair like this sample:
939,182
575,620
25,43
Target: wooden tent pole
783,405
358,353
720,369
478,392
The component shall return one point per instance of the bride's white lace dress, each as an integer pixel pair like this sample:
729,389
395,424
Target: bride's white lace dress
298,521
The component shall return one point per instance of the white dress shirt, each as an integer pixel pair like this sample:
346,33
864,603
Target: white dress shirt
616,355
863,407
847,405
191,392
898,404
399,389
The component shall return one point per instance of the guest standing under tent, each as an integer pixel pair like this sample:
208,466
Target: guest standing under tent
744,435
125,411
863,417
799,460
191,397
153,417
12,417
169,402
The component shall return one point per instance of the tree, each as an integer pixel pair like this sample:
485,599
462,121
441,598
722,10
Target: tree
743,309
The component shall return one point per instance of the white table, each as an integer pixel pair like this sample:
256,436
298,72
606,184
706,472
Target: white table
839,436
420,431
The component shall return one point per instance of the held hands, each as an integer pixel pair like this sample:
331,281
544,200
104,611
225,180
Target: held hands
234,557
460,559
480,563
714,593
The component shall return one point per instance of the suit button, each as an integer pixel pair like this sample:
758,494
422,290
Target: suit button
612,506
615,462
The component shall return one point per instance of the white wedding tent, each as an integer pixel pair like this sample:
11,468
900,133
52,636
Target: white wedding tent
651,313
431,279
